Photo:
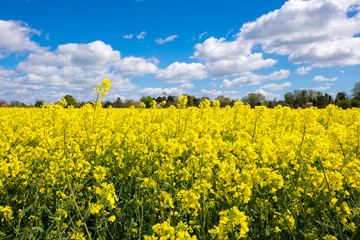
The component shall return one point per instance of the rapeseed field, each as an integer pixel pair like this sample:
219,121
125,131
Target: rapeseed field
179,173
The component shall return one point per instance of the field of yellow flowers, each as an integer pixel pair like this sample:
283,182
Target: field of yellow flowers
179,173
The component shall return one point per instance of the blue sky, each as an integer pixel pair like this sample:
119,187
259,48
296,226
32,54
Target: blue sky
204,48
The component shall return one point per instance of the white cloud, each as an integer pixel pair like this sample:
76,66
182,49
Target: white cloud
169,91
15,37
323,88
268,95
320,78
181,72
276,87
215,93
128,36
94,53
229,58
168,39
254,79
135,66
75,68
342,71
314,31
6,72
304,70
202,34
141,35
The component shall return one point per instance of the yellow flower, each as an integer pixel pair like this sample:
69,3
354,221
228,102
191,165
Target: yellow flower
112,218
78,236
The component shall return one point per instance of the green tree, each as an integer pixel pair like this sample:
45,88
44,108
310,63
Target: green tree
355,103
15,104
289,98
254,99
71,101
107,104
321,101
147,100
39,103
225,102
190,102
118,103
356,91
341,96
345,104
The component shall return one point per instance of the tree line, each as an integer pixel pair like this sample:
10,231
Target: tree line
298,98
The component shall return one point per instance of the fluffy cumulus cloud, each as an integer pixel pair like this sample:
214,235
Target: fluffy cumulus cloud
320,78
95,53
71,68
16,37
128,36
181,72
136,66
141,35
229,58
268,95
168,91
254,79
213,93
276,87
6,72
322,88
168,39
319,32
304,70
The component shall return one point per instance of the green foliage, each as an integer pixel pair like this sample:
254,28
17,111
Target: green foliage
345,104
356,91
71,101
39,103
147,100
107,104
254,99
341,96
118,103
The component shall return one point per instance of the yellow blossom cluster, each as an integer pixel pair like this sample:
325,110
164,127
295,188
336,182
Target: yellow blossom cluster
179,173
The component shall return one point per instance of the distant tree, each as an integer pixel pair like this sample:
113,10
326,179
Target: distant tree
71,101
118,103
345,104
341,96
225,102
321,101
355,103
329,99
107,104
312,95
170,98
254,99
190,101
160,99
147,100
356,91
289,98
39,103
220,98
15,104
3,103
203,98
130,102
193,100
304,97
